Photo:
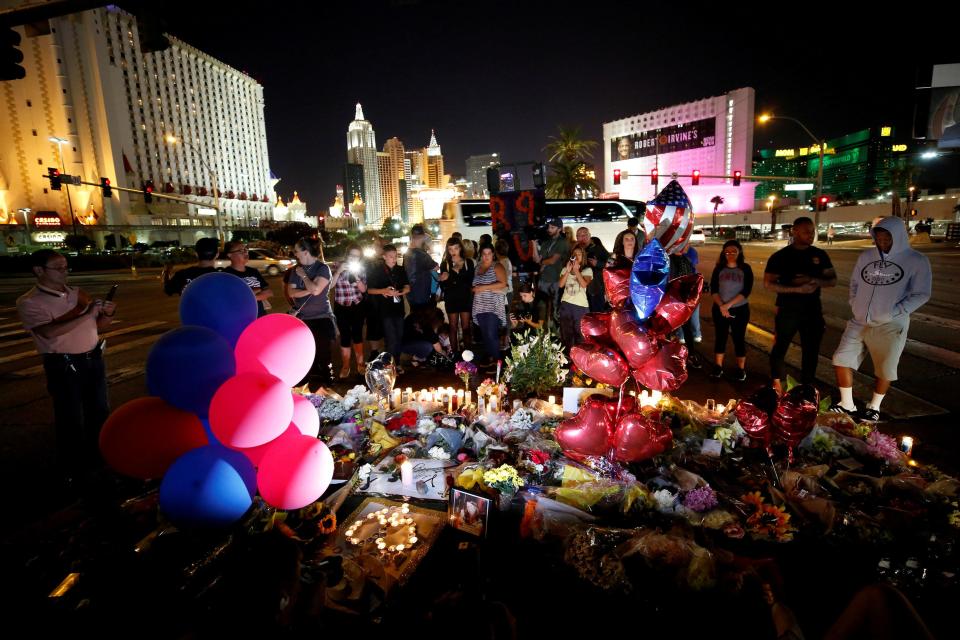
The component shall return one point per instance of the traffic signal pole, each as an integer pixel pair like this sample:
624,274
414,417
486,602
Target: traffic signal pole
67,180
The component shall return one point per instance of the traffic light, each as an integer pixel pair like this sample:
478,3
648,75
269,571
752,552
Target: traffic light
736,178
913,213
616,176
695,178
654,176
105,185
53,175
10,55
822,203
148,191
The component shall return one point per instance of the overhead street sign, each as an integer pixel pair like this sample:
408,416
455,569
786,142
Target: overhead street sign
805,186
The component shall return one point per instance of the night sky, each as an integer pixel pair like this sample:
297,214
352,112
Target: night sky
501,76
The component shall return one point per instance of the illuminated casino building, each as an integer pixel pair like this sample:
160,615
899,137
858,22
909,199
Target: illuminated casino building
858,166
712,135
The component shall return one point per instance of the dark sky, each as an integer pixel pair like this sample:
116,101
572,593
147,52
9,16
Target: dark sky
501,76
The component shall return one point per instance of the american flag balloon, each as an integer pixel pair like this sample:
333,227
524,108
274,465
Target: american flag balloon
669,218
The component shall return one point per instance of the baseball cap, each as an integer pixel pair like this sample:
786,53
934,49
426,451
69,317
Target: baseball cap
555,222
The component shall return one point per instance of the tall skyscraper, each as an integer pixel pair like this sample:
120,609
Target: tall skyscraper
477,174
389,195
362,150
433,161
393,202
111,105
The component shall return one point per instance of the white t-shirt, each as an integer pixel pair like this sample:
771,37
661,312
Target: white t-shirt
573,292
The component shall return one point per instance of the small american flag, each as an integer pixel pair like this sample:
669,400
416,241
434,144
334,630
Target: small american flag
669,217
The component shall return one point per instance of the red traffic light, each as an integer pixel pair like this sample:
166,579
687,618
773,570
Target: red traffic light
736,178
616,176
695,178
654,176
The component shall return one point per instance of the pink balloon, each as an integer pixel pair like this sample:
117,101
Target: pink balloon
295,472
278,344
250,409
596,326
666,371
636,343
601,363
588,432
678,303
305,416
639,438
255,454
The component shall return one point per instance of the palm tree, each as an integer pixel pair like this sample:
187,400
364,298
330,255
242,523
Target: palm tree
568,153
717,201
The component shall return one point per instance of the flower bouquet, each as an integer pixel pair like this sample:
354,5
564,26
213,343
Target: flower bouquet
536,364
506,481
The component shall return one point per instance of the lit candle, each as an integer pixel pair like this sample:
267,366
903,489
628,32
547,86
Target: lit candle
409,393
467,398
499,364
494,403
552,399
906,445
397,398
406,473
424,395
644,398
450,398
481,405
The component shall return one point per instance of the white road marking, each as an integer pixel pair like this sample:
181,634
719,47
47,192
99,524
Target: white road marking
28,354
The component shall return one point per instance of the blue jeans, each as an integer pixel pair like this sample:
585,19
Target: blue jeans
419,348
393,335
694,323
489,325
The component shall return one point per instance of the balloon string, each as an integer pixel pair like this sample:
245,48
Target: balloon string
616,418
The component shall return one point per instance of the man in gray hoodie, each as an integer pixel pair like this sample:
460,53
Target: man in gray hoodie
888,283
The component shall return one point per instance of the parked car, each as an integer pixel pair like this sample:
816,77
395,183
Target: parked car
697,237
263,261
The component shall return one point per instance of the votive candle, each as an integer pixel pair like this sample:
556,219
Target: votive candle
406,473
552,399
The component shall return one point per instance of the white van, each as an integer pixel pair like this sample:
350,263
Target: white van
604,218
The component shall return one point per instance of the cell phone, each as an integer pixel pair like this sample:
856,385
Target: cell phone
112,292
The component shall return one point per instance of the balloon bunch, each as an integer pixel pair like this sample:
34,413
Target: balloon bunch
381,375
788,418
633,340
222,421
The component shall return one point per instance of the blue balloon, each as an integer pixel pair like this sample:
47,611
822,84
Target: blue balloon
187,365
648,278
221,302
208,488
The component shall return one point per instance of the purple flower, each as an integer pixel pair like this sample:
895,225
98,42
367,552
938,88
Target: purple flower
465,368
700,500
882,446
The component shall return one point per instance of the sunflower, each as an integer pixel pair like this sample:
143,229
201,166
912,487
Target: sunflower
328,523
771,521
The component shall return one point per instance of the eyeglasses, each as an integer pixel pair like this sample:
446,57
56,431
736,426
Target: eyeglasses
244,250
60,269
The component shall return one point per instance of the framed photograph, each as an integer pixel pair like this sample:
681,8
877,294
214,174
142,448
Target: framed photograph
469,512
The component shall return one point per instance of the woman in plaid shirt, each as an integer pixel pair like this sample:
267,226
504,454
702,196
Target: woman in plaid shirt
349,285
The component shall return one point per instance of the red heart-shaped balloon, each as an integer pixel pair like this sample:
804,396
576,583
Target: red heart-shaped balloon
796,414
639,438
677,304
588,432
754,413
666,371
617,283
596,326
601,363
629,404
632,337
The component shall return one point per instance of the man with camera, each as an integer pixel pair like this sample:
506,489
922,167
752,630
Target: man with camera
64,322
552,254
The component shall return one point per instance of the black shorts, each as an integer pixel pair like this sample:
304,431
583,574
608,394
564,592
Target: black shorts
374,322
350,323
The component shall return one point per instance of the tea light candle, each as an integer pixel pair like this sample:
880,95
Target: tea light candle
552,399
424,395
406,473
906,445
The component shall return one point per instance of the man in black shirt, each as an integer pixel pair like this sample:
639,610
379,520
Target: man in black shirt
796,274
525,313
238,255
386,285
207,249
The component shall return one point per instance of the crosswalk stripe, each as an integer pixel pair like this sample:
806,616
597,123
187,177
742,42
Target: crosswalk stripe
118,332
15,332
10,324
120,348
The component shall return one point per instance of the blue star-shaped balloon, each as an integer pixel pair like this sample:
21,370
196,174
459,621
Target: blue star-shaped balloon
648,278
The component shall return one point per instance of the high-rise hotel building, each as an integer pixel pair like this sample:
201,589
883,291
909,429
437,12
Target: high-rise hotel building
362,150
93,94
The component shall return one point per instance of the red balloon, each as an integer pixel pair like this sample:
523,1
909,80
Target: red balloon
250,409
588,432
255,454
666,371
617,283
601,363
677,305
305,416
753,414
596,325
629,333
629,404
639,438
795,415
143,437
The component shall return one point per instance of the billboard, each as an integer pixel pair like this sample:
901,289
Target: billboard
944,121
683,137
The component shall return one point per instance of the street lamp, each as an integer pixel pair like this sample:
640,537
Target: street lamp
821,146
771,201
173,140
63,167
